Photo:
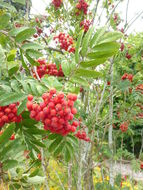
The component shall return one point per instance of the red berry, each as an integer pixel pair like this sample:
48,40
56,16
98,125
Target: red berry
73,111
30,97
7,110
12,137
53,112
4,118
29,105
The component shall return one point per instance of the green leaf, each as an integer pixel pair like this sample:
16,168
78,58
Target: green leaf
36,131
52,136
31,60
55,143
111,37
38,143
70,147
11,97
88,73
107,47
79,80
97,36
104,50
93,63
25,34
4,20
51,82
59,149
23,62
73,140
9,164
32,45
16,31
22,2
33,86
2,56
13,70
22,107
34,54
67,154
35,172
7,6
36,180
66,68
4,138
85,42
77,49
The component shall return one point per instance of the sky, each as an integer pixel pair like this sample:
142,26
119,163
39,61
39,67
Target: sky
135,6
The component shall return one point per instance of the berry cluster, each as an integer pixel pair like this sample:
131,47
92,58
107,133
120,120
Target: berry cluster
124,127
56,112
82,6
39,20
52,70
122,47
128,77
116,19
66,42
128,56
8,114
39,32
49,69
85,24
82,135
11,138
57,3
140,88
18,25
42,68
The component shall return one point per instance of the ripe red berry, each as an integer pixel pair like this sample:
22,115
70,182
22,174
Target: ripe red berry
73,111
53,112
75,123
12,137
4,118
29,105
108,83
7,110
30,97
53,91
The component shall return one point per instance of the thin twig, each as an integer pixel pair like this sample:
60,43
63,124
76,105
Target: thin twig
97,3
129,25
126,21
112,12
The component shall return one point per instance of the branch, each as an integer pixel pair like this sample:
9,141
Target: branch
51,48
110,138
44,169
126,13
129,25
35,70
95,11
112,12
